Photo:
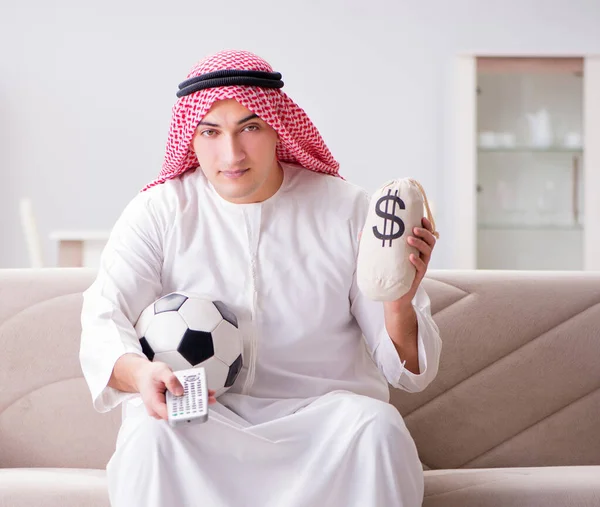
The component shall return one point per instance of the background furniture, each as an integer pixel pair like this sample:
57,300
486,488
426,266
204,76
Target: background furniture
526,162
79,248
31,233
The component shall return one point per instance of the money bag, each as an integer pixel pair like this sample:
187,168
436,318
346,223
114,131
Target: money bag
384,271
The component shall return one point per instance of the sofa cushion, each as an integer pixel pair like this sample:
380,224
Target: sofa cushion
40,375
577,486
53,487
573,486
518,383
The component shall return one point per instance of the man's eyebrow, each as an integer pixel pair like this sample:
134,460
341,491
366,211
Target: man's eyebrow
243,120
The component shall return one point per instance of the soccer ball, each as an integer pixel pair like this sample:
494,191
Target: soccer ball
187,331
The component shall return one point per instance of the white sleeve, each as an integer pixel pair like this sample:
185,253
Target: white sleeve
128,280
370,317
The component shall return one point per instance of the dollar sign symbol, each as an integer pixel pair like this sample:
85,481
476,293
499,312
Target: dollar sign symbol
389,216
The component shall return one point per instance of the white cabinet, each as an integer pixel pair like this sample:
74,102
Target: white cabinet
526,165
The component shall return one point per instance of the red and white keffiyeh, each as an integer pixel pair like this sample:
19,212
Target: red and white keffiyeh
299,139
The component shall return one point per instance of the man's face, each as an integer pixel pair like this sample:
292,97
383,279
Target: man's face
236,152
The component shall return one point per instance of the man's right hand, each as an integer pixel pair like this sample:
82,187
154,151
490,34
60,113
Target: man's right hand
152,379
134,373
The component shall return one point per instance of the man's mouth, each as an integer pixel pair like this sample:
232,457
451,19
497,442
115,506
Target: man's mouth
235,173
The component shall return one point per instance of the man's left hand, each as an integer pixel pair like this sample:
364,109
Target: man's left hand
424,241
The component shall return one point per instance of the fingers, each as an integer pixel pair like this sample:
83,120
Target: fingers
157,406
418,263
425,235
155,397
161,409
172,383
157,403
421,246
424,241
211,397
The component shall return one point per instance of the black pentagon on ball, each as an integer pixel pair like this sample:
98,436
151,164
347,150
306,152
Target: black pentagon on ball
234,371
147,349
196,346
226,313
169,303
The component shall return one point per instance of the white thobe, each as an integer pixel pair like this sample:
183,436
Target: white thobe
307,422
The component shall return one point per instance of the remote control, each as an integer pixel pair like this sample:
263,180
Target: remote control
192,406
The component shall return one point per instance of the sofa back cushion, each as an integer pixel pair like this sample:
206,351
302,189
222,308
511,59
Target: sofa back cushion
46,414
519,379
518,383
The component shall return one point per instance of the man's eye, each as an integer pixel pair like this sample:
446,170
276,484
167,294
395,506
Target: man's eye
208,133
251,128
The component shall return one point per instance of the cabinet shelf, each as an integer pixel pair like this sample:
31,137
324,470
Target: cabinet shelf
530,149
529,227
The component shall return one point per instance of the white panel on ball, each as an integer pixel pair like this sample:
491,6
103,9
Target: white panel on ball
165,331
227,342
143,322
200,314
174,359
216,374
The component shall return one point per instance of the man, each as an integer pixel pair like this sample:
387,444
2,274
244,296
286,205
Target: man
249,209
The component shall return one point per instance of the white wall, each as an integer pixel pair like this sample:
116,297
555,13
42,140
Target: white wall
86,89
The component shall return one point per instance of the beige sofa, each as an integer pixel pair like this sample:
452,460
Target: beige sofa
513,418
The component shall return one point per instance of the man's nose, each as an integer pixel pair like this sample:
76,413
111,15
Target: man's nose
234,152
